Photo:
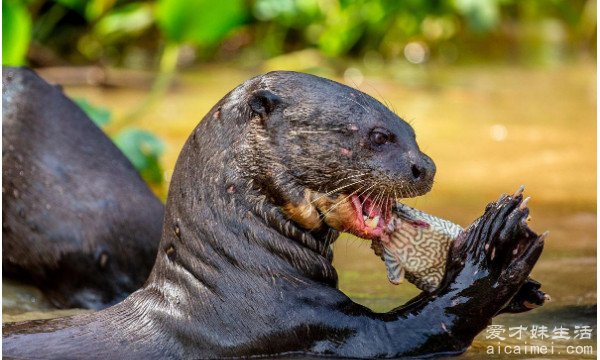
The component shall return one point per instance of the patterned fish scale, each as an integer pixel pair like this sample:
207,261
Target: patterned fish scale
418,247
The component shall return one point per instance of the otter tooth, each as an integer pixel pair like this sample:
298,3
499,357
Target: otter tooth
365,217
372,223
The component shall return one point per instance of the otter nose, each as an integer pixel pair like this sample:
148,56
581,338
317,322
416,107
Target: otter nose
418,172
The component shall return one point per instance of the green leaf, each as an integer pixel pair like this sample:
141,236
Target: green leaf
200,22
90,9
127,21
16,32
143,149
95,8
99,115
76,5
481,15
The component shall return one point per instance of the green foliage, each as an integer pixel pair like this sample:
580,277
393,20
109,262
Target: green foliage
352,21
143,149
200,22
127,21
132,33
480,15
337,27
16,30
90,9
118,27
291,13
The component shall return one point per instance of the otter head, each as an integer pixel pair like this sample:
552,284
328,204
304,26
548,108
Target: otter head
331,156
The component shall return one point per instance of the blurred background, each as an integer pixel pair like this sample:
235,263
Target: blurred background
500,93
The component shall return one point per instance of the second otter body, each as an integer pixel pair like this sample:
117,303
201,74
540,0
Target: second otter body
77,219
262,187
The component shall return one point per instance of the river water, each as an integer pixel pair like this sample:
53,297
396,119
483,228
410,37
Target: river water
489,129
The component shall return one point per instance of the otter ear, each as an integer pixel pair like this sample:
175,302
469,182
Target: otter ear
263,102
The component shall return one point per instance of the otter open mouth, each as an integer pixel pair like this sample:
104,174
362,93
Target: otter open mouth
368,217
371,217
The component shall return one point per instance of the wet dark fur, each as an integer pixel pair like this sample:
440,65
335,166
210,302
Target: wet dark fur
77,219
234,277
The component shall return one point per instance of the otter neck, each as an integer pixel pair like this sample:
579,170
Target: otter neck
217,225
271,188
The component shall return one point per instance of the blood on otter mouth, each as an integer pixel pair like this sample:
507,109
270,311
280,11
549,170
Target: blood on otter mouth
366,216
371,217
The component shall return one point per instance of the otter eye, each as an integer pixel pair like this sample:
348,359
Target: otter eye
380,137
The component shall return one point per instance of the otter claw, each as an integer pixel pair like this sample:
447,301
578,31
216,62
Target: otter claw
524,203
519,191
528,297
544,235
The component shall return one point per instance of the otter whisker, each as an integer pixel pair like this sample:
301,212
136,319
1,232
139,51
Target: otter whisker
391,193
342,179
378,201
354,101
348,177
338,203
368,195
411,191
305,212
383,199
314,131
414,191
366,99
336,190
371,188
387,104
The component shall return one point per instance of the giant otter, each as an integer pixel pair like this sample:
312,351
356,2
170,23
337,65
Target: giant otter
261,188
77,219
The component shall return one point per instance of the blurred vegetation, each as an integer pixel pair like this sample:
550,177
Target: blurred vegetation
142,148
160,34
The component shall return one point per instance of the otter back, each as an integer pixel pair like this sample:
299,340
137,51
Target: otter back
77,219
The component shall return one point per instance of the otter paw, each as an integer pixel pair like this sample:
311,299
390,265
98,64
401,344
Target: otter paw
501,236
527,298
499,249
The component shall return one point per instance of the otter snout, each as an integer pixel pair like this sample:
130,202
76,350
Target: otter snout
422,169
